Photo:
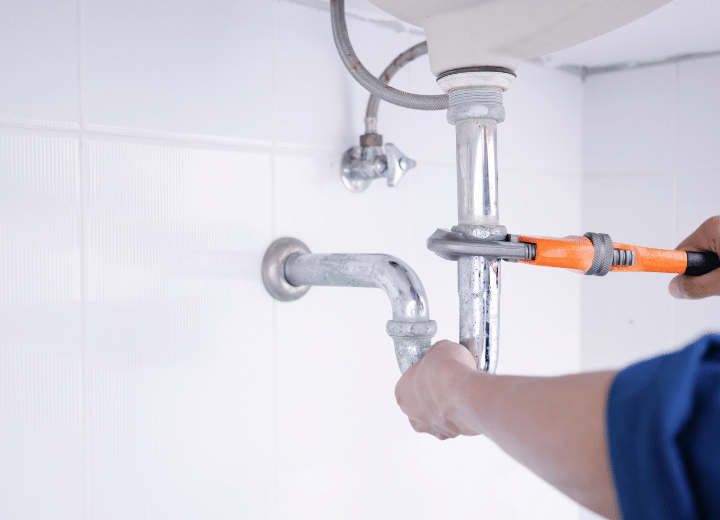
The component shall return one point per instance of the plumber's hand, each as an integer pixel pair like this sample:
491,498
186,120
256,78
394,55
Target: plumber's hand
432,392
705,238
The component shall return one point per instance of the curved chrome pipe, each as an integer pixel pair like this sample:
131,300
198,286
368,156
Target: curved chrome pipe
411,327
392,275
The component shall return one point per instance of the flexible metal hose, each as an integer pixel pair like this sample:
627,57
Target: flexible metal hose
367,80
398,63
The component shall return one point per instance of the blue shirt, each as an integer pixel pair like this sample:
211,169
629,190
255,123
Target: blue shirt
663,421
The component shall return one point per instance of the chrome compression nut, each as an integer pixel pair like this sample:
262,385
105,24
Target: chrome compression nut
491,232
411,329
371,140
475,111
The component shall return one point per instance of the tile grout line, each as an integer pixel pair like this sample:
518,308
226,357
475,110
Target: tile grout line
193,141
275,513
83,267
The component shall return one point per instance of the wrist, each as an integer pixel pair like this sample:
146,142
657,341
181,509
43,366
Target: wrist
468,401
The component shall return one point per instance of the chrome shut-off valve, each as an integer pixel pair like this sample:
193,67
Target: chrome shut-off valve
371,160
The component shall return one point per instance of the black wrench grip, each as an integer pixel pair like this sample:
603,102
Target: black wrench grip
700,263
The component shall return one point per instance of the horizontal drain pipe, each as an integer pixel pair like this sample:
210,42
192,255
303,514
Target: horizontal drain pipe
289,269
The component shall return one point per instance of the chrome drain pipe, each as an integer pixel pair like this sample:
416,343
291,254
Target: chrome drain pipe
476,107
289,270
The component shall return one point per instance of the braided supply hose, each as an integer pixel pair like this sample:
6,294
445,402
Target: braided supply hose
372,84
398,63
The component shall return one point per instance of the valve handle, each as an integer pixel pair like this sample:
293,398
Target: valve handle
398,164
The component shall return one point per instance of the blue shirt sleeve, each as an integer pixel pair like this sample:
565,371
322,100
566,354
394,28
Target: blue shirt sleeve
663,424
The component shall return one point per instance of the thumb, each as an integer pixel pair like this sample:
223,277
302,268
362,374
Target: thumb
695,287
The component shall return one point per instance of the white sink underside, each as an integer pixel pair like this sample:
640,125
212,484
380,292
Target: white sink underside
504,33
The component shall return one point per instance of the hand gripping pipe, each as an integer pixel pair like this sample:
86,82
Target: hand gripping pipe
289,269
367,80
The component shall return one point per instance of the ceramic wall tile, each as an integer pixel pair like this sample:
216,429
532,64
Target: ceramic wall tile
698,114
318,103
627,316
312,204
630,121
42,461
542,131
39,47
180,353
540,339
432,138
183,69
131,268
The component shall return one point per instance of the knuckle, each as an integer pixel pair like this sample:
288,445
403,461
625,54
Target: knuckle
714,224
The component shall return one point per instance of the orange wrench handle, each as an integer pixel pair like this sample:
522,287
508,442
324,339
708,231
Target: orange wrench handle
571,252
576,253
653,260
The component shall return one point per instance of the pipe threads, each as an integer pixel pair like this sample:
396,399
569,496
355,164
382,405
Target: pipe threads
476,95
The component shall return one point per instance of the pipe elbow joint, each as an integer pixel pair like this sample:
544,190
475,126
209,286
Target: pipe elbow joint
289,269
411,328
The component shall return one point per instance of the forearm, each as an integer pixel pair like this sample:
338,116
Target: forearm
555,426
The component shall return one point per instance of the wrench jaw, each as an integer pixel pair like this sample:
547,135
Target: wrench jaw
451,245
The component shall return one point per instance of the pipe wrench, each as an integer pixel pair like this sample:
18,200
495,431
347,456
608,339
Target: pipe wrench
592,254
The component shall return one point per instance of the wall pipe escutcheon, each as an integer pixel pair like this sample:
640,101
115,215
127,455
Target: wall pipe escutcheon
289,263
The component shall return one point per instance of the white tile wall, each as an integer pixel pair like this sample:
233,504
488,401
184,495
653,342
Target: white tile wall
41,327
173,304
317,102
699,113
631,121
543,128
430,134
39,53
145,372
627,316
652,179
537,337
178,68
